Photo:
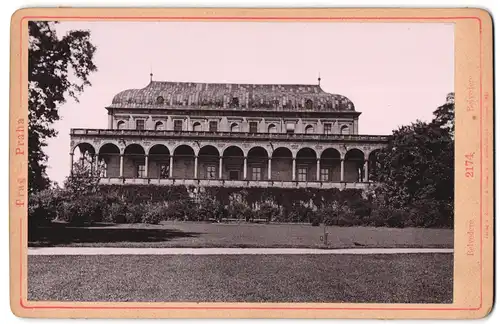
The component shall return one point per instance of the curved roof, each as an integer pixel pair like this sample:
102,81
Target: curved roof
160,94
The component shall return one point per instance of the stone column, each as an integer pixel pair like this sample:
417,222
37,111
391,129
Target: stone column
110,121
366,171
171,167
146,166
220,167
121,165
317,169
196,166
293,169
245,168
341,170
71,163
269,173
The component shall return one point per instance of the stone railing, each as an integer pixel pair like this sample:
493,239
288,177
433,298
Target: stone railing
207,134
238,183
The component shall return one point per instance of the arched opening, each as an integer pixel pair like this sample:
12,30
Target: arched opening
183,162
272,129
84,154
197,127
306,165
109,161
353,166
257,164
235,127
159,162
281,164
134,162
208,162
374,164
233,161
309,129
330,165
120,125
159,126
344,130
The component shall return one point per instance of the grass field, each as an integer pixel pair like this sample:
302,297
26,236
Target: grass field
191,234
416,278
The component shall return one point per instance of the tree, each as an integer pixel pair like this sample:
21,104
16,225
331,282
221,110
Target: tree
444,117
58,68
85,177
417,166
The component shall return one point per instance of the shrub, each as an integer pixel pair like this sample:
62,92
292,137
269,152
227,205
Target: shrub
240,210
154,213
268,212
134,213
44,206
389,216
181,210
300,213
116,212
210,208
86,209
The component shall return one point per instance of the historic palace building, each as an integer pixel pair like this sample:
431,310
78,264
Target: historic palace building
240,135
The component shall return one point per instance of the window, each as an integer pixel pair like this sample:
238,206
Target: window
290,128
309,129
309,104
234,175
212,126
164,171
211,172
272,129
302,174
344,130
139,124
159,126
141,171
197,127
177,125
235,127
235,102
327,128
253,127
256,173
325,175
120,125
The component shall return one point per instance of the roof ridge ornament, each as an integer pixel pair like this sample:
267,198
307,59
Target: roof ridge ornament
319,78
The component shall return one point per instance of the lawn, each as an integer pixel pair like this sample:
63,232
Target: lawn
415,278
192,234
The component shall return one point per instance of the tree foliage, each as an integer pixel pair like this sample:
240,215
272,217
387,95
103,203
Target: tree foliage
59,68
417,167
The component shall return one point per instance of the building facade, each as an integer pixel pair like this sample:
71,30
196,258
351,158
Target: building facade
238,135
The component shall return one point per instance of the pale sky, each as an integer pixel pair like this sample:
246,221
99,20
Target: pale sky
394,73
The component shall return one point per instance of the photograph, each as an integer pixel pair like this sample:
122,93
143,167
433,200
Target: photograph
240,161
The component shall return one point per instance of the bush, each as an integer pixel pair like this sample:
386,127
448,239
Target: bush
86,209
154,213
300,213
181,210
388,216
116,212
268,212
135,213
240,210
44,206
210,208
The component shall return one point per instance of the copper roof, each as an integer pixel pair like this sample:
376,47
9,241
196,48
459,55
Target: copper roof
232,96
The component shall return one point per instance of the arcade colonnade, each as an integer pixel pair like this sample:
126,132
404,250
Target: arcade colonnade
230,163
